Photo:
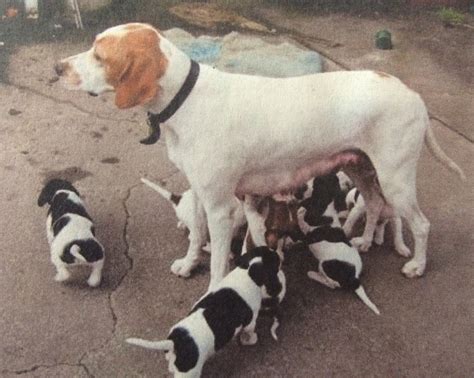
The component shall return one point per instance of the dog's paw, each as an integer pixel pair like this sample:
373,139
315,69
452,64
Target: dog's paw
182,267
403,251
413,269
93,281
62,276
347,229
361,244
248,338
207,247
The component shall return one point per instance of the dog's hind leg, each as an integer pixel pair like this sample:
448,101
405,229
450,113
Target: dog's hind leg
62,273
401,195
197,238
399,243
96,274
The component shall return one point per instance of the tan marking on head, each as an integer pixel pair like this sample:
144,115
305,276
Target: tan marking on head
133,63
382,74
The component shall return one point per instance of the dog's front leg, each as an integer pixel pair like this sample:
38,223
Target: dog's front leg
197,238
220,221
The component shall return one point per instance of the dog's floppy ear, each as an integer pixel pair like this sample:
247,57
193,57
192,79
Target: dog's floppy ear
257,273
143,64
50,189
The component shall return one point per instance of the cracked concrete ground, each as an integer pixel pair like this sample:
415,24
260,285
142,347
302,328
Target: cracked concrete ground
54,330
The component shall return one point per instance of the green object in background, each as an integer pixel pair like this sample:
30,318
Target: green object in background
383,40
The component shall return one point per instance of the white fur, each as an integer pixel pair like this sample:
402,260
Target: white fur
239,134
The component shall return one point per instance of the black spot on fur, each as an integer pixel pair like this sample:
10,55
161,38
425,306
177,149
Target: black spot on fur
299,193
342,272
327,233
62,205
263,273
90,249
60,224
185,348
224,311
340,201
317,220
325,189
356,195
175,198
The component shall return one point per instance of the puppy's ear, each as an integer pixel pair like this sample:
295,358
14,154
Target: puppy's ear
257,273
46,195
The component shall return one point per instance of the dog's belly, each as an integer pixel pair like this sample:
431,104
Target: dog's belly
284,179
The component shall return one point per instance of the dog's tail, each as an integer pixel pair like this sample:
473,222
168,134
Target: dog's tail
364,298
75,250
440,155
173,198
156,345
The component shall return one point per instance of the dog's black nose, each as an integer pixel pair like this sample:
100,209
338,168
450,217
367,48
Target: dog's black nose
60,68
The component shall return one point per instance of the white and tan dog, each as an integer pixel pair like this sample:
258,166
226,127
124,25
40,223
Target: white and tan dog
238,134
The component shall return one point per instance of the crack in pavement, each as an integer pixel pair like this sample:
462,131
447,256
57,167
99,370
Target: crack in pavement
68,102
44,366
129,258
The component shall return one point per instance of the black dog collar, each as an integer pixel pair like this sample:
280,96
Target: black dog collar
154,120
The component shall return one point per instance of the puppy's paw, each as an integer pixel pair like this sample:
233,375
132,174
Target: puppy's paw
207,247
182,267
94,280
248,338
62,276
403,250
414,269
347,229
361,244
378,238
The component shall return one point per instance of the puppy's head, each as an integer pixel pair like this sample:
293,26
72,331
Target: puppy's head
126,59
325,190
263,265
50,189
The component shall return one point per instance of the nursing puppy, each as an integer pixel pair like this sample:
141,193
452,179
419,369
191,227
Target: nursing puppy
231,308
340,264
356,205
182,203
70,231
190,218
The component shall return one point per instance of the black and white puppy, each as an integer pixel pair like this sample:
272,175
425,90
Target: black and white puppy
231,308
340,264
356,206
70,231
184,207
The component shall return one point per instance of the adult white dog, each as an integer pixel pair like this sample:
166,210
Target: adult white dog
233,134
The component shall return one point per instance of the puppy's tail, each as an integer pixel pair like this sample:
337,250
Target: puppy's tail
156,345
173,198
364,298
75,250
440,155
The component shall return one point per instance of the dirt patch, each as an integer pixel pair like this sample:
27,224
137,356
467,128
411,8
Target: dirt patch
71,174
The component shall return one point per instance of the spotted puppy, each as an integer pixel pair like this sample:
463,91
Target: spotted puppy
186,209
231,308
70,231
356,205
340,264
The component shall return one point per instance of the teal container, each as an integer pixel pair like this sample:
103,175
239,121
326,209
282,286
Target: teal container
383,40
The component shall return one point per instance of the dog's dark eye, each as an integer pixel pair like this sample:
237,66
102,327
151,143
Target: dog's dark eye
97,57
